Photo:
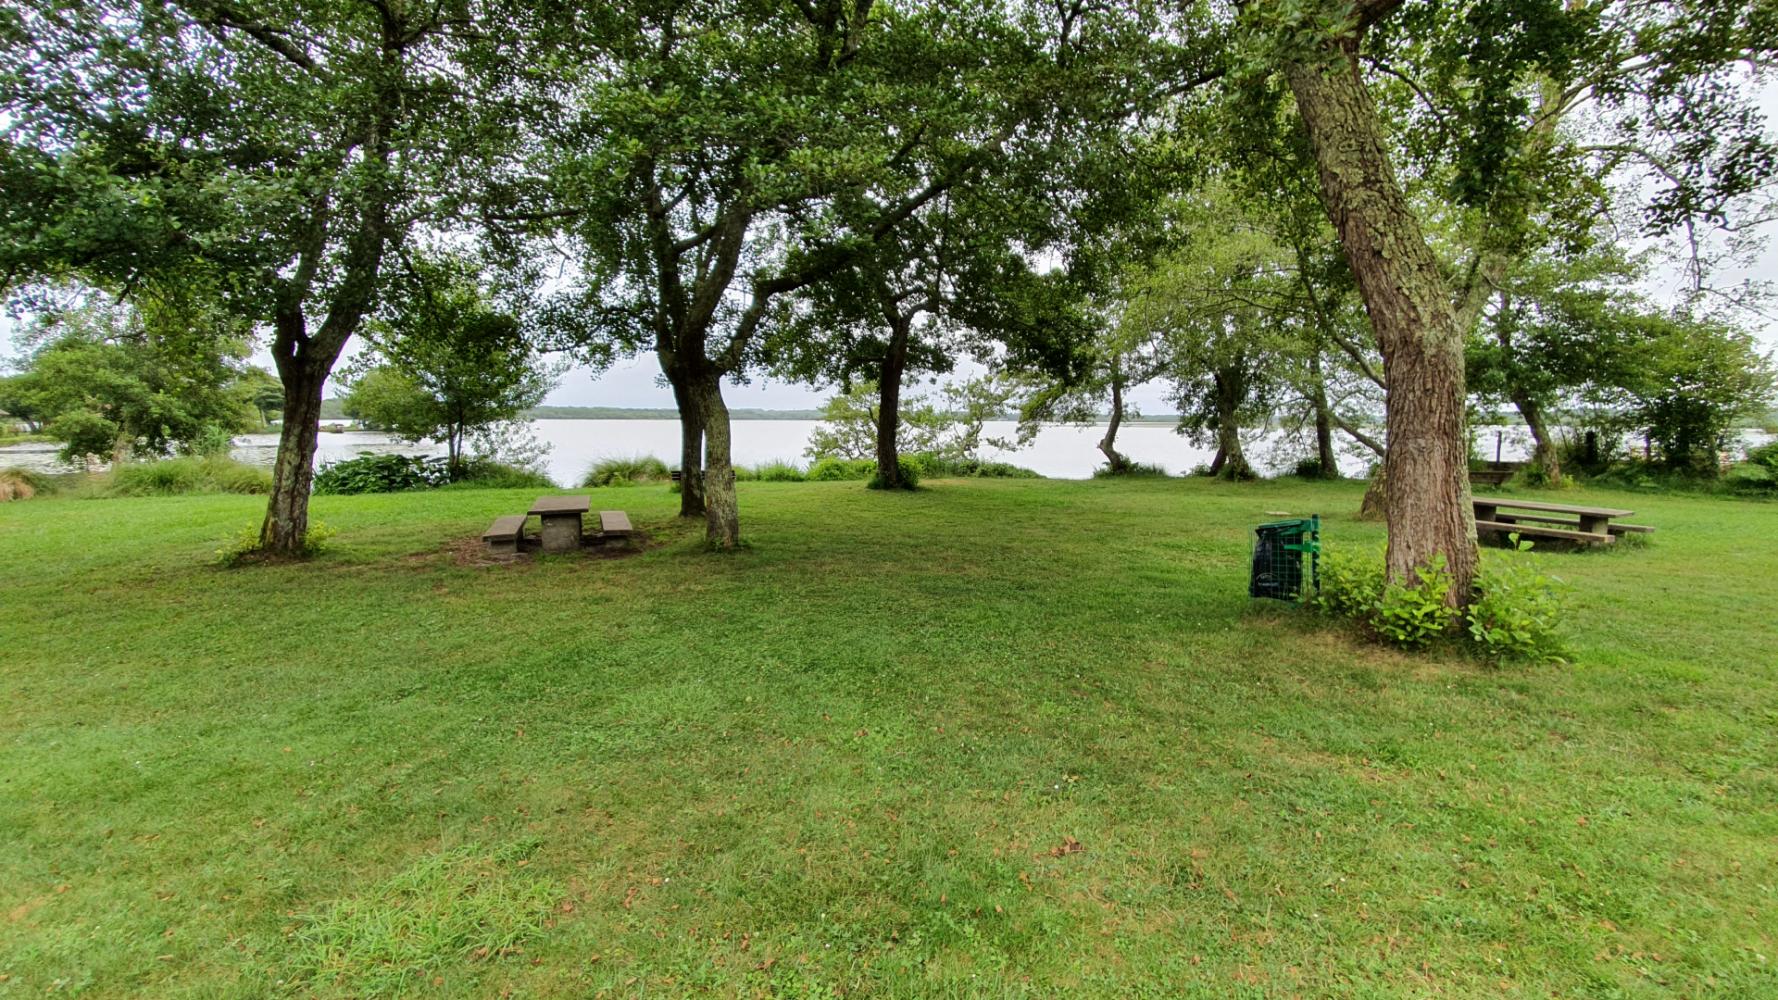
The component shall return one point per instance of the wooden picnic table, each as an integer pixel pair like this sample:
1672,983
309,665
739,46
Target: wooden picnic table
1593,525
560,517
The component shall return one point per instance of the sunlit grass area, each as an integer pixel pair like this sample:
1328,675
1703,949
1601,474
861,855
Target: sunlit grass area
991,738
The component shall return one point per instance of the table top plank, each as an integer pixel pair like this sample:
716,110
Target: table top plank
562,505
1560,508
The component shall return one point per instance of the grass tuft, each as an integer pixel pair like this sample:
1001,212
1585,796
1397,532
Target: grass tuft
626,472
186,475
438,918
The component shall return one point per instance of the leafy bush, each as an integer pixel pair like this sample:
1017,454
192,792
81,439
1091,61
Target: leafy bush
1135,470
779,472
370,473
244,546
211,439
1516,613
190,474
830,470
910,476
487,474
1310,468
21,484
932,466
1413,616
626,472
1351,585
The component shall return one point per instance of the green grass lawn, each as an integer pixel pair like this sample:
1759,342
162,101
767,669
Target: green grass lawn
994,738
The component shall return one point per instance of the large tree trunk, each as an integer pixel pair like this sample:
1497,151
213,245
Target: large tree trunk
286,528
1115,462
691,449
1231,462
1426,470
722,516
1543,449
889,408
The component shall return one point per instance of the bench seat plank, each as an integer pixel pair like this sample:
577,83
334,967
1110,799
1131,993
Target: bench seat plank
614,522
1508,527
1557,508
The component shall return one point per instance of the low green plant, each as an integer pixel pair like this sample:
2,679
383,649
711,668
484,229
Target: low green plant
487,474
779,471
829,470
910,476
243,547
1517,611
1414,615
370,473
1351,585
933,466
626,472
1134,470
1516,614
185,475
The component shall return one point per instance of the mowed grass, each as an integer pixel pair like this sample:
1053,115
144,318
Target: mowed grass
993,738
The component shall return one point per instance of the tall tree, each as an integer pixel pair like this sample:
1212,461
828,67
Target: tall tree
737,153
279,149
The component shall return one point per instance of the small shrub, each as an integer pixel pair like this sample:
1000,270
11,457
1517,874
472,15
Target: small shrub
1309,468
1414,616
1351,585
829,470
190,474
211,439
1134,470
1517,612
910,476
21,484
626,472
779,472
244,546
939,467
370,473
487,474
1751,477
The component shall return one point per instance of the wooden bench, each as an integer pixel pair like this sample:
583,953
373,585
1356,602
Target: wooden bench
615,522
1536,519
1538,531
505,535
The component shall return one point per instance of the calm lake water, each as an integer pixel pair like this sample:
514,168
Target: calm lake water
1060,452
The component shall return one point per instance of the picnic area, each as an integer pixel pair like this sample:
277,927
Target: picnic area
1036,741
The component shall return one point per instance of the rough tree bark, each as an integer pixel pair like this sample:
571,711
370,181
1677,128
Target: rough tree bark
691,450
1230,461
1426,470
1543,448
722,515
1115,462
895,364
286,527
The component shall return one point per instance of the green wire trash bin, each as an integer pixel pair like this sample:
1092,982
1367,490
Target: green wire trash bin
1278,550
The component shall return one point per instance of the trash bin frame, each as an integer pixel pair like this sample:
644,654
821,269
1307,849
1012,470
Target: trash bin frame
1307,534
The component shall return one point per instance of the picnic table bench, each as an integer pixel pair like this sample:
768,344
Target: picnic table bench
1537,519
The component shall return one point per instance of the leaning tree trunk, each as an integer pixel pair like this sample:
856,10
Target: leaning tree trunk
1325,458
1543,449
889,408
1426,469
722,515
691,449
1115,462
1231,461
286,528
